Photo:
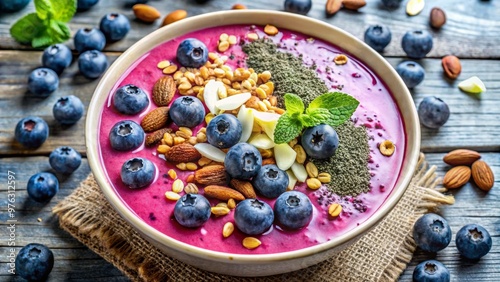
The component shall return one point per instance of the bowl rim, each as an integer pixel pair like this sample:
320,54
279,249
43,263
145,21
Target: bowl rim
122,63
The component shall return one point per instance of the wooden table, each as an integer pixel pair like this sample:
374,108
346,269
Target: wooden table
472,33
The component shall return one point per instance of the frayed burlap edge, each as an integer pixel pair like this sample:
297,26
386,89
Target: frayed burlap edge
380,255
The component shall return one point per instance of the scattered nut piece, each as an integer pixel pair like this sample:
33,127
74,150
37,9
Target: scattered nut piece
451,66
387,148
340,59
223,46
172,173
457,177
252,36
461,157
239,7
163,64
414,7
251,243
163,149
334,209
437,18
191,188
177,186
146,13
232,39
324,177
333,6
181,166
228,229
170,69
353,4
270,30
312,170
191,166
219,211
174,16
170,195
483,175
313,183
231,204
39,219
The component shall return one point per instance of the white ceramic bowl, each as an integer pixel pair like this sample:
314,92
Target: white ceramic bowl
255,265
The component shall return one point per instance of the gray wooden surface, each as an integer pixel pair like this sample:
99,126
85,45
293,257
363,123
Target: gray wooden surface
472,33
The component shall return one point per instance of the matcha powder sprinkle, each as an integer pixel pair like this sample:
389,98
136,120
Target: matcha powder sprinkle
349,166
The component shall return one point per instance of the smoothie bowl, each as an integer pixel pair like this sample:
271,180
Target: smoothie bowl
252,143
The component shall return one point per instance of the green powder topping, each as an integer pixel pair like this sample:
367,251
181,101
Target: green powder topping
349,166
288,72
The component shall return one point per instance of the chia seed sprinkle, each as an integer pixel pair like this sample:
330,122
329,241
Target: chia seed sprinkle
349,166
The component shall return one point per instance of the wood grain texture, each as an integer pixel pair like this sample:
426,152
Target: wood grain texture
75,261
471,30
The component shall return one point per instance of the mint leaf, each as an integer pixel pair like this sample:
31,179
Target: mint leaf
42,39
63,10
293,104
286,129
334,100
26,28
340,105
58,31
320,116
43,9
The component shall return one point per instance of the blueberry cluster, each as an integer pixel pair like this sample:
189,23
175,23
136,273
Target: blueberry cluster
432,233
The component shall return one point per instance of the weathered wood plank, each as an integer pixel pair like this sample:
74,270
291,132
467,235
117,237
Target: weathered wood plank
471,30
75,261
476,116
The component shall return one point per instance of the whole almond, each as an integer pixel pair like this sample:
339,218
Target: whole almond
239,7
461,157
244,187
222,193
146,13
155,137
174,16
212,174
164,90
156,119
333,6
437,18
353,4
457,177
182,153
451,66
483,175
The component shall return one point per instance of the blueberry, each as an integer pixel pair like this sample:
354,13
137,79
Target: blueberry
243,161
293,210
192,53
65,160
187,111
320,141
126,135
417,43
42,186
84,5
130,99
431,271
270,181
92,63
253,217
68,109
223,131
392,3
34,262
57,57
192,210
89,39
42,82
473,241
378,37
31,132
298,6
114,26
433,112
138,173
411,72
431,232
10,6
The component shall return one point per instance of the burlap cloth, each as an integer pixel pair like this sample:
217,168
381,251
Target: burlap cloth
380,255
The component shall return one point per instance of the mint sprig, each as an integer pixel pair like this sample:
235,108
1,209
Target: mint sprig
47,26
330,108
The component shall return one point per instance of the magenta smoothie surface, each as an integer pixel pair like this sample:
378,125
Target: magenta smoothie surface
377,112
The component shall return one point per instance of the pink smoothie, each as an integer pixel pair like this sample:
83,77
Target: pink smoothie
377,112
